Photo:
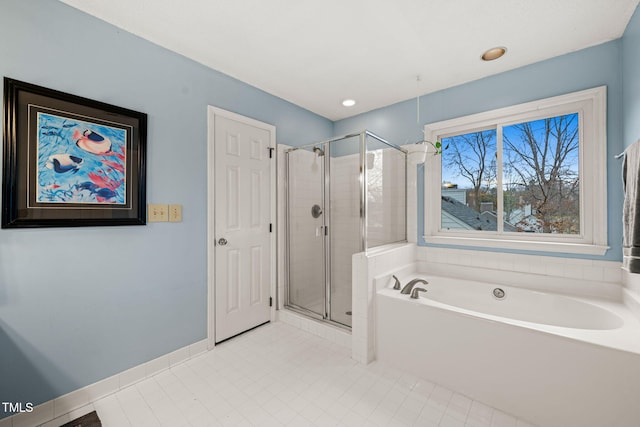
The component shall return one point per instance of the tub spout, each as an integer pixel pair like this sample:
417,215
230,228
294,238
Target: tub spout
409,286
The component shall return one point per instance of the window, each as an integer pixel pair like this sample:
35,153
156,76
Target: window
528,177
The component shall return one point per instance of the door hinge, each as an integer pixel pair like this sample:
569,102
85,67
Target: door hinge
270,152
270,301
270,228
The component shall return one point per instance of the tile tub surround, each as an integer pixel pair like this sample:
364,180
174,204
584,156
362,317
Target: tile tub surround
278,375
631,293
378,263
572,276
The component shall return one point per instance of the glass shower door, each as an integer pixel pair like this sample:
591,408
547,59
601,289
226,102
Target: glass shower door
306,229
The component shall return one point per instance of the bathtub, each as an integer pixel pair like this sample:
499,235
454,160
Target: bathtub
553,360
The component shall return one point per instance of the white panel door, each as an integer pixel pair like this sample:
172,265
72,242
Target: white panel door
242,230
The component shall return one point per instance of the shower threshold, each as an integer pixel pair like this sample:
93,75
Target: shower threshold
318,317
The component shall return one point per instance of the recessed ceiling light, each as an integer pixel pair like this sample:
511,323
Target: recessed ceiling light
494,53
349,102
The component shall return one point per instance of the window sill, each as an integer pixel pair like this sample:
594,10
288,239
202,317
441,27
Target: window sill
556,247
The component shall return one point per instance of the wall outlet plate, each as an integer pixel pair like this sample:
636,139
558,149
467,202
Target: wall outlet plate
175,213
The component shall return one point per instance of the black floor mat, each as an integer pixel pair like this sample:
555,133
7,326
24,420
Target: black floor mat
89,420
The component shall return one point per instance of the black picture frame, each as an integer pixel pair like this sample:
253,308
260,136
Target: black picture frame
70,161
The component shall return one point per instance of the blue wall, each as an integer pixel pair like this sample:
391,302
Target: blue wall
78,305
631,80
596,66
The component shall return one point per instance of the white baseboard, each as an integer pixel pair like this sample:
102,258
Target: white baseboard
80,402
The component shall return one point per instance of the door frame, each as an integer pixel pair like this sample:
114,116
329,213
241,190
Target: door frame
212,112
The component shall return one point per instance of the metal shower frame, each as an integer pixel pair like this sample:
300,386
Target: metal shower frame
326,202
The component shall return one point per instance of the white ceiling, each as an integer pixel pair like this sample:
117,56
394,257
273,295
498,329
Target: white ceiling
317,53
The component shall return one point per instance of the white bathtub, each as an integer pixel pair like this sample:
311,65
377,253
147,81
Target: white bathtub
551,359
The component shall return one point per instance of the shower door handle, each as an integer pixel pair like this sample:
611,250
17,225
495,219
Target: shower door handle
316,211
222,241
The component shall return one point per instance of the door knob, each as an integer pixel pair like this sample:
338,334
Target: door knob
316,211
222,241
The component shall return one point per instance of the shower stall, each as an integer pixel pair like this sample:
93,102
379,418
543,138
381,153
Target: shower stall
343,196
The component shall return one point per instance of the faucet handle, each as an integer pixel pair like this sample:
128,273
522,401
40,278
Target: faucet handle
397,285
414,293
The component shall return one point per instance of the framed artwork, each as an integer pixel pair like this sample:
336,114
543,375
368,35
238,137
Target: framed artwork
70,161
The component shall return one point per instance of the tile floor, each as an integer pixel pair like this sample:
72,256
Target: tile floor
278,375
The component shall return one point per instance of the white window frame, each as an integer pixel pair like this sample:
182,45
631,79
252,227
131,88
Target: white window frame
591,106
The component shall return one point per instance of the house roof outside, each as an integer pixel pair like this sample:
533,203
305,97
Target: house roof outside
475,220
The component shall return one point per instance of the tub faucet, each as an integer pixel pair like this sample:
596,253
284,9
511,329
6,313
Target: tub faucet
416,291
397,284
407,288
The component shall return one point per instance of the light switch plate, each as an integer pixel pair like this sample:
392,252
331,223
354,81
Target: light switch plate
175,213
157,213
